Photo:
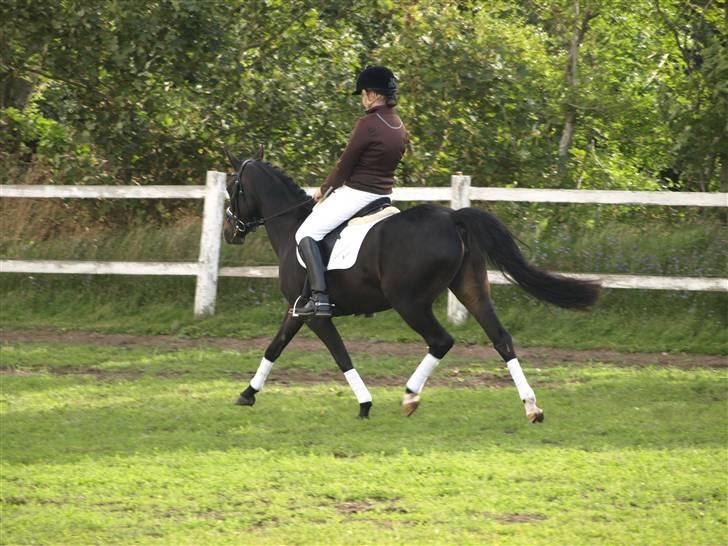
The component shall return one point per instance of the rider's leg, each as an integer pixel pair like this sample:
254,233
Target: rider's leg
318,304
330,213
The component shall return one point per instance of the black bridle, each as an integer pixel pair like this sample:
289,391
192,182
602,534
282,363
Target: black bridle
232,214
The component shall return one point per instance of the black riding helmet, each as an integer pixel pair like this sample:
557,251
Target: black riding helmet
377,78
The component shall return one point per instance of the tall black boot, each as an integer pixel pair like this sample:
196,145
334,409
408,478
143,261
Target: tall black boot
318,304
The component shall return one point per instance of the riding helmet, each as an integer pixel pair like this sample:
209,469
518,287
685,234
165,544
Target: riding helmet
377,78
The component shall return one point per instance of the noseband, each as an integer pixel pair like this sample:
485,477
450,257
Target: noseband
240,226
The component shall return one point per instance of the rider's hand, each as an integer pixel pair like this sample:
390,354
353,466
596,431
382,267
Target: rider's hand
317,195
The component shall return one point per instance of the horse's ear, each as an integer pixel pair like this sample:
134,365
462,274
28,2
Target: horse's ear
259,153
234,161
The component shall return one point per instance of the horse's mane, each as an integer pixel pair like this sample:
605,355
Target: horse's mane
279,173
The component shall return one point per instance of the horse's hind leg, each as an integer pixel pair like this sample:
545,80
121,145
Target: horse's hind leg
326,331
285,334
420,318
471,289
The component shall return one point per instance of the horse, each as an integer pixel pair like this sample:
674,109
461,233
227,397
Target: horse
405,262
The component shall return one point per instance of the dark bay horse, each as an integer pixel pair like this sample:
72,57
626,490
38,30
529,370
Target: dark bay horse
405,262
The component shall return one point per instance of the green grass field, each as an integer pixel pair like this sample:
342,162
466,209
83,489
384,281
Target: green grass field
142,445
111,444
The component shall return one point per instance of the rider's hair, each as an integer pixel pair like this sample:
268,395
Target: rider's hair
390,96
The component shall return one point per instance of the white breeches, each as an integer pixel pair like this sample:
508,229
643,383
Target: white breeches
333,211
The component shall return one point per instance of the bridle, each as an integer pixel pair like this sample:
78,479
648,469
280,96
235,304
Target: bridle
240,226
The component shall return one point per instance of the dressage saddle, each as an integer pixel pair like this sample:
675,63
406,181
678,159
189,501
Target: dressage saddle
327,243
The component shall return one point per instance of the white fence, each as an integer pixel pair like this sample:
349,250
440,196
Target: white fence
460,194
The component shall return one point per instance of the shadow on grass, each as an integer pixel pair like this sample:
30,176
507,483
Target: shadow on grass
132,418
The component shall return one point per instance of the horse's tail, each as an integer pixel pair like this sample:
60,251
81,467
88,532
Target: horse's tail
485,235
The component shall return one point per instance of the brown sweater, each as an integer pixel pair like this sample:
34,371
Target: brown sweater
375,148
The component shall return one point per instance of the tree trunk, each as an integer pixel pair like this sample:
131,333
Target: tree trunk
581,25
14,92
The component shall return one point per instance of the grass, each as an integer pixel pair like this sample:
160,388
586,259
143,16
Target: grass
143,445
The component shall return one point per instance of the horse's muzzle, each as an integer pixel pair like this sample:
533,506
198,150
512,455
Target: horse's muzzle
231,233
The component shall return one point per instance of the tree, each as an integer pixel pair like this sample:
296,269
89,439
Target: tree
694,95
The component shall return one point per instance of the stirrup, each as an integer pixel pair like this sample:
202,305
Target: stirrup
312,308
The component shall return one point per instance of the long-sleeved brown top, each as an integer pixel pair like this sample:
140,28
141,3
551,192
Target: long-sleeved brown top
376,145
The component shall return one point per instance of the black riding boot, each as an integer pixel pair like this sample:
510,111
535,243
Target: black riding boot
318,304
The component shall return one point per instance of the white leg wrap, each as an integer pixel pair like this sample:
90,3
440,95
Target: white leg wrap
261,375
357,385
417,382
525,392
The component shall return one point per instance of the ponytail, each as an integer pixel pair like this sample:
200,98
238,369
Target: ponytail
390,95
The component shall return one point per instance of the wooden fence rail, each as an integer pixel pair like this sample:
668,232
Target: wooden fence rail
459,195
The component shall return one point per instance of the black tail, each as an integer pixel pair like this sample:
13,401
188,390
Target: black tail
488,236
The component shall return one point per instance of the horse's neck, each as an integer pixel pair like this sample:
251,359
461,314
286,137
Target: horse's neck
281,229
282,233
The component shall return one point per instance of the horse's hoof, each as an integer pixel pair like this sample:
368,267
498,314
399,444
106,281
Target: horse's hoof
245,400
410,403
534,414
364,408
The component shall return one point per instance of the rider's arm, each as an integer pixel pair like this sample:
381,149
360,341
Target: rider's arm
358,142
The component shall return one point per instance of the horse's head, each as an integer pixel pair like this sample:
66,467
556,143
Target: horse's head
242,211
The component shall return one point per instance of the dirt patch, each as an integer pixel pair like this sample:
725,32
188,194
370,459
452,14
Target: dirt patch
518,518
534,356
371,505
354,507
290,376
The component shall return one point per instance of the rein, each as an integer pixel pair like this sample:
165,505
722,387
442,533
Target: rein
242,226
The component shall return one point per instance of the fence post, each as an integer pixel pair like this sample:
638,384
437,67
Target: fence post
456,312
206,290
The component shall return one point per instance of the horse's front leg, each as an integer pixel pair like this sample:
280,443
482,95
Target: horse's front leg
326,331
287,331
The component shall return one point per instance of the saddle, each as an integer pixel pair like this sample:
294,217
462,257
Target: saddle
327,243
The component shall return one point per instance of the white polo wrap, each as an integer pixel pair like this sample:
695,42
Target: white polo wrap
525,391
357,385
261,375
417,382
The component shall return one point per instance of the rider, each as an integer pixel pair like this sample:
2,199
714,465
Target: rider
363,174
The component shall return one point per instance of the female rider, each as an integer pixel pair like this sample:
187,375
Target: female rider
363,174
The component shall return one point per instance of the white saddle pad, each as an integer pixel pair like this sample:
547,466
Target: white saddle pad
346,248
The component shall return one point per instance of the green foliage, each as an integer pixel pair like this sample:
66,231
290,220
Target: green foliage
694,94
148,92
626,455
